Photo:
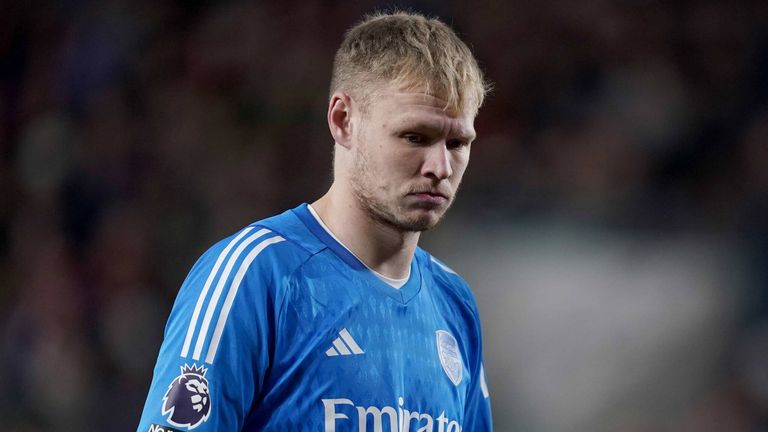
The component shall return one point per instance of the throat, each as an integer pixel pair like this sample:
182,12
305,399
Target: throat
393,269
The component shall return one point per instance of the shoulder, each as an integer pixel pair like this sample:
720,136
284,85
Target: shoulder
440,271
280,243
255,262
240,278
446,279
253,248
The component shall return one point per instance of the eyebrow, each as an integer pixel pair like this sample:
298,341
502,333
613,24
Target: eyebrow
466,135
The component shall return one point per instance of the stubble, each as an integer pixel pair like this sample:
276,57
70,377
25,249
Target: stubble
371,197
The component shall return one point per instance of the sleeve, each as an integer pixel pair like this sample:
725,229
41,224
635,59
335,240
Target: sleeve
477,411
217,343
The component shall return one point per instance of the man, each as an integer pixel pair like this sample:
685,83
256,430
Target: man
328,317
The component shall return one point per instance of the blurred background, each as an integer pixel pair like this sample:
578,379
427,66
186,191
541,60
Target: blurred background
613,221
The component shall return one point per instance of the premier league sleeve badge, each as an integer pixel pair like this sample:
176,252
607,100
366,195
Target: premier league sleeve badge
187,403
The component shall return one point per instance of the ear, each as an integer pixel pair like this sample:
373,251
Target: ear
339,116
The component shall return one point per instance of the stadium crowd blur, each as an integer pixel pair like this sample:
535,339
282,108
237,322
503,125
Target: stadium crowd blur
613,221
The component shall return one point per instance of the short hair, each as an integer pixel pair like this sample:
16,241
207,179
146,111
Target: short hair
412,51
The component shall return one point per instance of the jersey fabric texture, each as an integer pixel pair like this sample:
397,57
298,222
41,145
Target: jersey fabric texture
280,328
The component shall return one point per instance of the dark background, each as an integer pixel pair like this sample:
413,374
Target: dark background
613,221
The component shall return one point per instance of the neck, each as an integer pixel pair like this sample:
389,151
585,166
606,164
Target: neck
381,247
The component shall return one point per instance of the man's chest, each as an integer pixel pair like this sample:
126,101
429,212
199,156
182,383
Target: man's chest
363,362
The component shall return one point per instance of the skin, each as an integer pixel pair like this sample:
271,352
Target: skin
397,168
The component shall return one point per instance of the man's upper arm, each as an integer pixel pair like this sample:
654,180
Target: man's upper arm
217,340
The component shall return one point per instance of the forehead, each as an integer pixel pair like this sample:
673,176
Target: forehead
407,107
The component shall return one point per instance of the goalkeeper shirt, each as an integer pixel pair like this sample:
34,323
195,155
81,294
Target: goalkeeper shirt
281,328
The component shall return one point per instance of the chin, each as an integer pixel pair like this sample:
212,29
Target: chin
422,222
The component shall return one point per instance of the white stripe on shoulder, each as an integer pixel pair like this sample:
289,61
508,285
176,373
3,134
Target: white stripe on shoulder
206,287
233,292
219,287
442,266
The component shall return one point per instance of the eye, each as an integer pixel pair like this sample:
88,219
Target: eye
414,138
455,144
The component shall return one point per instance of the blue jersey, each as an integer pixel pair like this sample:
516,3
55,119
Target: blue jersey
281,328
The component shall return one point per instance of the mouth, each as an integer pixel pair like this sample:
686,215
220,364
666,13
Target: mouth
432,198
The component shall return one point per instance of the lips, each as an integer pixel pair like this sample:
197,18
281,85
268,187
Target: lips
430,197
432,194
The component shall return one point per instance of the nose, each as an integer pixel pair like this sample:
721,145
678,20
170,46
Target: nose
437,162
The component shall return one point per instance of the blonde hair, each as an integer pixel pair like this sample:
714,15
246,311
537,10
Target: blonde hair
413,52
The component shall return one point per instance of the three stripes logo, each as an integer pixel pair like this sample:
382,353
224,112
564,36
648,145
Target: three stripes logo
344,345
222,284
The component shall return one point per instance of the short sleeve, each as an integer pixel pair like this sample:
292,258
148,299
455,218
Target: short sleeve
477,412
218,340
477,415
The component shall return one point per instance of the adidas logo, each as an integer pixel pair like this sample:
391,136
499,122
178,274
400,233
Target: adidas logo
344,345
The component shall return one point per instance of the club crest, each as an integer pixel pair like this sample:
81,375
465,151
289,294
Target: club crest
450,357
187,401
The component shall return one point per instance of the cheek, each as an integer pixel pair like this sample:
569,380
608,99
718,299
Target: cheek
460,163
395,163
